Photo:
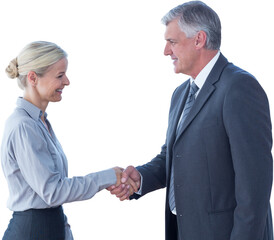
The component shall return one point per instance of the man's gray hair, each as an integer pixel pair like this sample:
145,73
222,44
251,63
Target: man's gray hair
196,16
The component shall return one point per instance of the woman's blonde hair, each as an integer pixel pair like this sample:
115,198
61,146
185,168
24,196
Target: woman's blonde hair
38,57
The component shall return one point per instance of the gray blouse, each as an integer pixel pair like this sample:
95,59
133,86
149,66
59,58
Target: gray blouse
36,167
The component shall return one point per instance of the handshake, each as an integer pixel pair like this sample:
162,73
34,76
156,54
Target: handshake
128,182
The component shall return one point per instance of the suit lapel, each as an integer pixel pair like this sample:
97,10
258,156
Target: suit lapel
205,93
199,102
177,112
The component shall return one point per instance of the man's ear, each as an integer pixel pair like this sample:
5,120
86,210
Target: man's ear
32,78
200,40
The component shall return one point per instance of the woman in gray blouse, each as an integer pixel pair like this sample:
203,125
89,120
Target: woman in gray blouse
33,161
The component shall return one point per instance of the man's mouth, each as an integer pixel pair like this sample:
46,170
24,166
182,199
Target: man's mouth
174,60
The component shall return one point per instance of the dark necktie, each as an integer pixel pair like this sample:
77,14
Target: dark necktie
188,105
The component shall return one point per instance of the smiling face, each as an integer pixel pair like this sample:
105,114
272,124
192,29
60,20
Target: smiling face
47,88
181,49
50,86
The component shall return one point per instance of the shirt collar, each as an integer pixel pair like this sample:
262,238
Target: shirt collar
202,76
31,109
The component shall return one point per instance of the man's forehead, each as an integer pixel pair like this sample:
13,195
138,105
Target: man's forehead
172,30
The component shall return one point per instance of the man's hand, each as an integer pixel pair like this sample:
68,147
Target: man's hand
128,183
131,173
122,190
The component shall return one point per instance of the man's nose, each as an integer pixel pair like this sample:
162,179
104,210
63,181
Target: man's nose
167,50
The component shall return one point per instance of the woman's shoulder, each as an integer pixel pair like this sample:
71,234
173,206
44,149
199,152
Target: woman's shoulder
19,120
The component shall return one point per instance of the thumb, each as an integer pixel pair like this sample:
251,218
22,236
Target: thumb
126,173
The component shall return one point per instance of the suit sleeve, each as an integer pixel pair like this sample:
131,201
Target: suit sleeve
247,122
153,173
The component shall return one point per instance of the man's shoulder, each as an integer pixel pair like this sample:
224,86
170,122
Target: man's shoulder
228,70
235,71
233,75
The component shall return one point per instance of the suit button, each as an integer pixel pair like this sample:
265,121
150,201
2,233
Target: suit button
178,156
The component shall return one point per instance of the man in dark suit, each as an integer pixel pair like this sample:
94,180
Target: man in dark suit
216,162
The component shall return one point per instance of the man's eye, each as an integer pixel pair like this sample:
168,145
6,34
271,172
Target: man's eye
172,43
60,76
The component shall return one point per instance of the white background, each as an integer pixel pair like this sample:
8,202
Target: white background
115,111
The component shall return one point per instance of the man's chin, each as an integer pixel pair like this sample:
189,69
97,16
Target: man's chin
176,70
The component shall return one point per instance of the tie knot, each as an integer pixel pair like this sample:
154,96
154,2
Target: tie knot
193,88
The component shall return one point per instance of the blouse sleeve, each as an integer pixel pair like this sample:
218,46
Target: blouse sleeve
39,170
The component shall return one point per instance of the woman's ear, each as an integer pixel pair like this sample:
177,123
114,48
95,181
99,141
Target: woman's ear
32,78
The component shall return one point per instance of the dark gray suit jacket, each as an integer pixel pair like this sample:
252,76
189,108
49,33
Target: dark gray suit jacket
222,160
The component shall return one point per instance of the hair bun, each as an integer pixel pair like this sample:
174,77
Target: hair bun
12,69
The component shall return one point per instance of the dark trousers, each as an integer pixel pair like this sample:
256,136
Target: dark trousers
37,224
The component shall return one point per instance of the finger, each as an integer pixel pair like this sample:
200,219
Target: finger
126,173
128,193
111,187
124,197
131,191
135,186
117,190
122,193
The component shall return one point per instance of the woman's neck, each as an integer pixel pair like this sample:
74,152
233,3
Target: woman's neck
36,102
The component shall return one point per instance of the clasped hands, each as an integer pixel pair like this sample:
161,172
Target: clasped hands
128,182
